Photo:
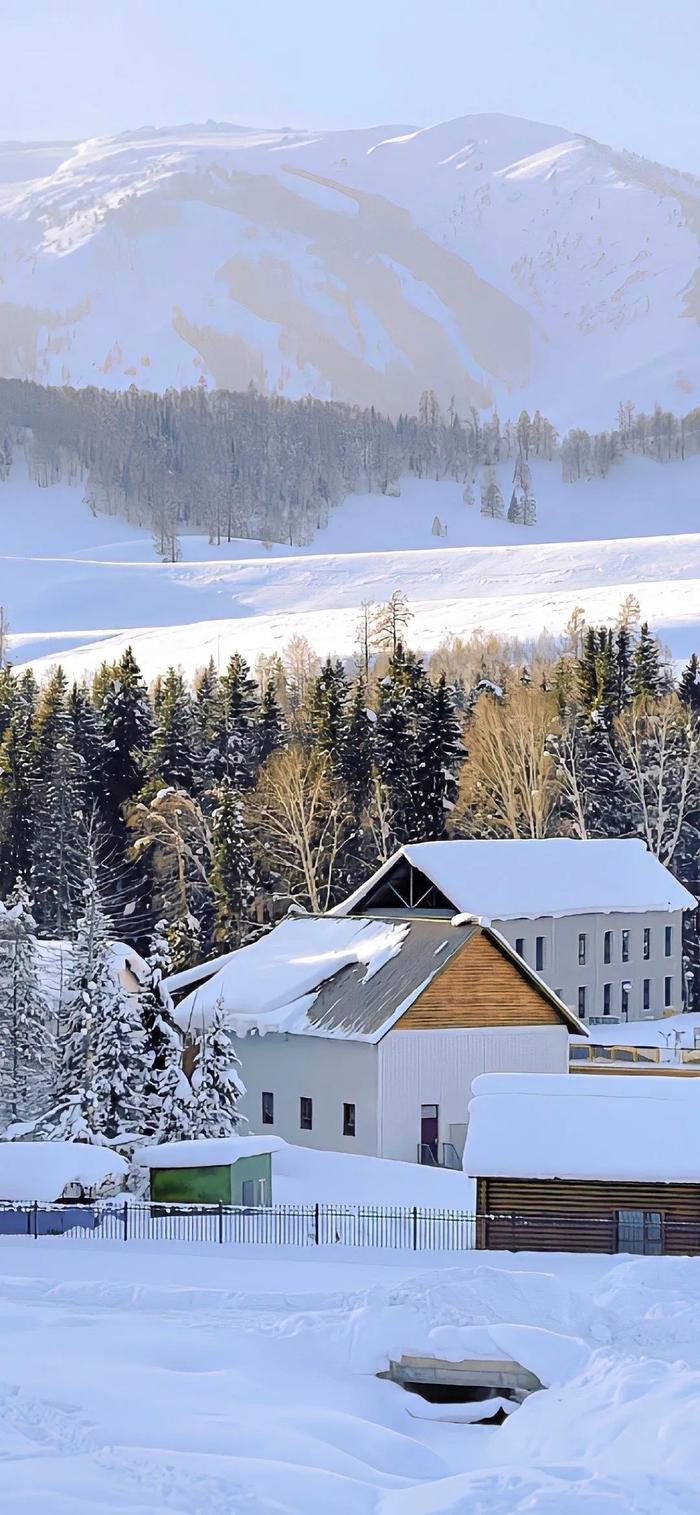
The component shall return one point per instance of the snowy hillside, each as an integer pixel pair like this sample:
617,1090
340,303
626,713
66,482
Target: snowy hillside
496,259
82,587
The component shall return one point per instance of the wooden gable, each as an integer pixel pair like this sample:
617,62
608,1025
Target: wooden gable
482,985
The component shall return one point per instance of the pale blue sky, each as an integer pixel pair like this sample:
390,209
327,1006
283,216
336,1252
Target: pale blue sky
626,71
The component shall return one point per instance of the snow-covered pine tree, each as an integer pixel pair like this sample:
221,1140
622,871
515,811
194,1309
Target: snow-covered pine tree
441,753
166,1089
239,704
491,497
101,1045
128,726
689,683
17,812
185,943
233,875
172,757
646,666
27,1045
327,711
623,667
57,866
269,726
515,509
216,1084
88,743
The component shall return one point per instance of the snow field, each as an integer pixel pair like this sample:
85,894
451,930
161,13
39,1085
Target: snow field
152,1379
81,588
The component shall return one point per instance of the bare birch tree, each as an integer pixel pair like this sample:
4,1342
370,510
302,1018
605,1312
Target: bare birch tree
659,752
300,816
508,782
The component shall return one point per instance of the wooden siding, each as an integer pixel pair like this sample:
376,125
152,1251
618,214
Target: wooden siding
580,1215
480,986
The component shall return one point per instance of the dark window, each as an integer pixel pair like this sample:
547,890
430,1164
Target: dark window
539,954
607,990
646,994
306,1113
647,944
607,947
640,1231
582,947
348,1120
668,992
625,999
668,941
582,1000
625,946
268,1108
520,945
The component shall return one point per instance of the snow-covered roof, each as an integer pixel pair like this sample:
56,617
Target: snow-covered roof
55,960
559,1125
196,975
41,1170
210,1152
340,977
554,876
668,1031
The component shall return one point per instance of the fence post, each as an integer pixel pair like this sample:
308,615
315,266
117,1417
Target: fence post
126,1221
36,1219
221,1223
415,1228
317,1223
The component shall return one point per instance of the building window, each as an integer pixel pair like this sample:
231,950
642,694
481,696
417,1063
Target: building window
607,991
306,1113
539,954
254,1192
646,994
625,946
582,1001
582,947
520,946
268,1108
625,999
348,1120
668,992
668,941
647,944
640,1231
607,947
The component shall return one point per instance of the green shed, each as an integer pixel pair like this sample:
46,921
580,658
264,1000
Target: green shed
234,1170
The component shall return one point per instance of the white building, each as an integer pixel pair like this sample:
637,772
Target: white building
600,920
363,1035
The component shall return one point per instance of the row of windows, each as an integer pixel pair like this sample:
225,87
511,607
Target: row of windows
624,997
306,1113
608,946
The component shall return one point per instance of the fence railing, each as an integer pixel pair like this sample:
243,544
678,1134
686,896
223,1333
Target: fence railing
381,1227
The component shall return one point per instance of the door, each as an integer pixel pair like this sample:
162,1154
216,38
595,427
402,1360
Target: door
640,1231
429,1132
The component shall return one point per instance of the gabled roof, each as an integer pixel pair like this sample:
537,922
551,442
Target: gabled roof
554,876
343,978
558,1125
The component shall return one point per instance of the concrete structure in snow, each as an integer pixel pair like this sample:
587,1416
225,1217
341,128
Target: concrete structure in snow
601,921
363,1035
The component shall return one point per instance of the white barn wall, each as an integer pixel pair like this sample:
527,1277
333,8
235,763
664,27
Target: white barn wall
437,1067
328,1071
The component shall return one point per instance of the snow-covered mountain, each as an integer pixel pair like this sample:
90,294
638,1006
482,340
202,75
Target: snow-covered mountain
495,259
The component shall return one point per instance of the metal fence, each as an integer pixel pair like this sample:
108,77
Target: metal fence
280,1225
381,1227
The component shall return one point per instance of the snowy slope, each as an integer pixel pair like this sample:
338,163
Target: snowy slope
161,1378
496,259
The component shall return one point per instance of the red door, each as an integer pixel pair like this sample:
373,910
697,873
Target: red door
429,1131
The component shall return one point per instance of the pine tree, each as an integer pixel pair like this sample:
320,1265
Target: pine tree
26,1036
166,1089
88,743
623,668
57,866
441,754
646,666
172,757
216,1086
128,726
404,698
269,727
328,706
17,812
689,683
185,943
358,752
239,709
233,878
491,497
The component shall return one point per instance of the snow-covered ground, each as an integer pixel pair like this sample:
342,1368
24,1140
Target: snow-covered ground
83,587
142,1379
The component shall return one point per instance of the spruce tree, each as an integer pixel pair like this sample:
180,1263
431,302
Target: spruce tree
17,807
269,727
26,1036
166,1090
623,667
216,1085
57,867
88,743
128,726
441,753
172,757
646,666
233,878
328,705
689,683
236,737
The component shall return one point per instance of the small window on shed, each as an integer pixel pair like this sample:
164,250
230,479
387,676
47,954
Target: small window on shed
539,954
668,941
306,1113
607,991
582,947
348,1120
520,946
625,946
647,943
668,992
607,947
646,994
582,1001
268,1108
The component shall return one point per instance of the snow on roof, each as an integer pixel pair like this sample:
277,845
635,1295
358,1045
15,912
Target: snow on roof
667,1031
558,1125
55,960
209,1152
555,876
187,976
41,1170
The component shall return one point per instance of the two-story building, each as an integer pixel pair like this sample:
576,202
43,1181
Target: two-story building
601,921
